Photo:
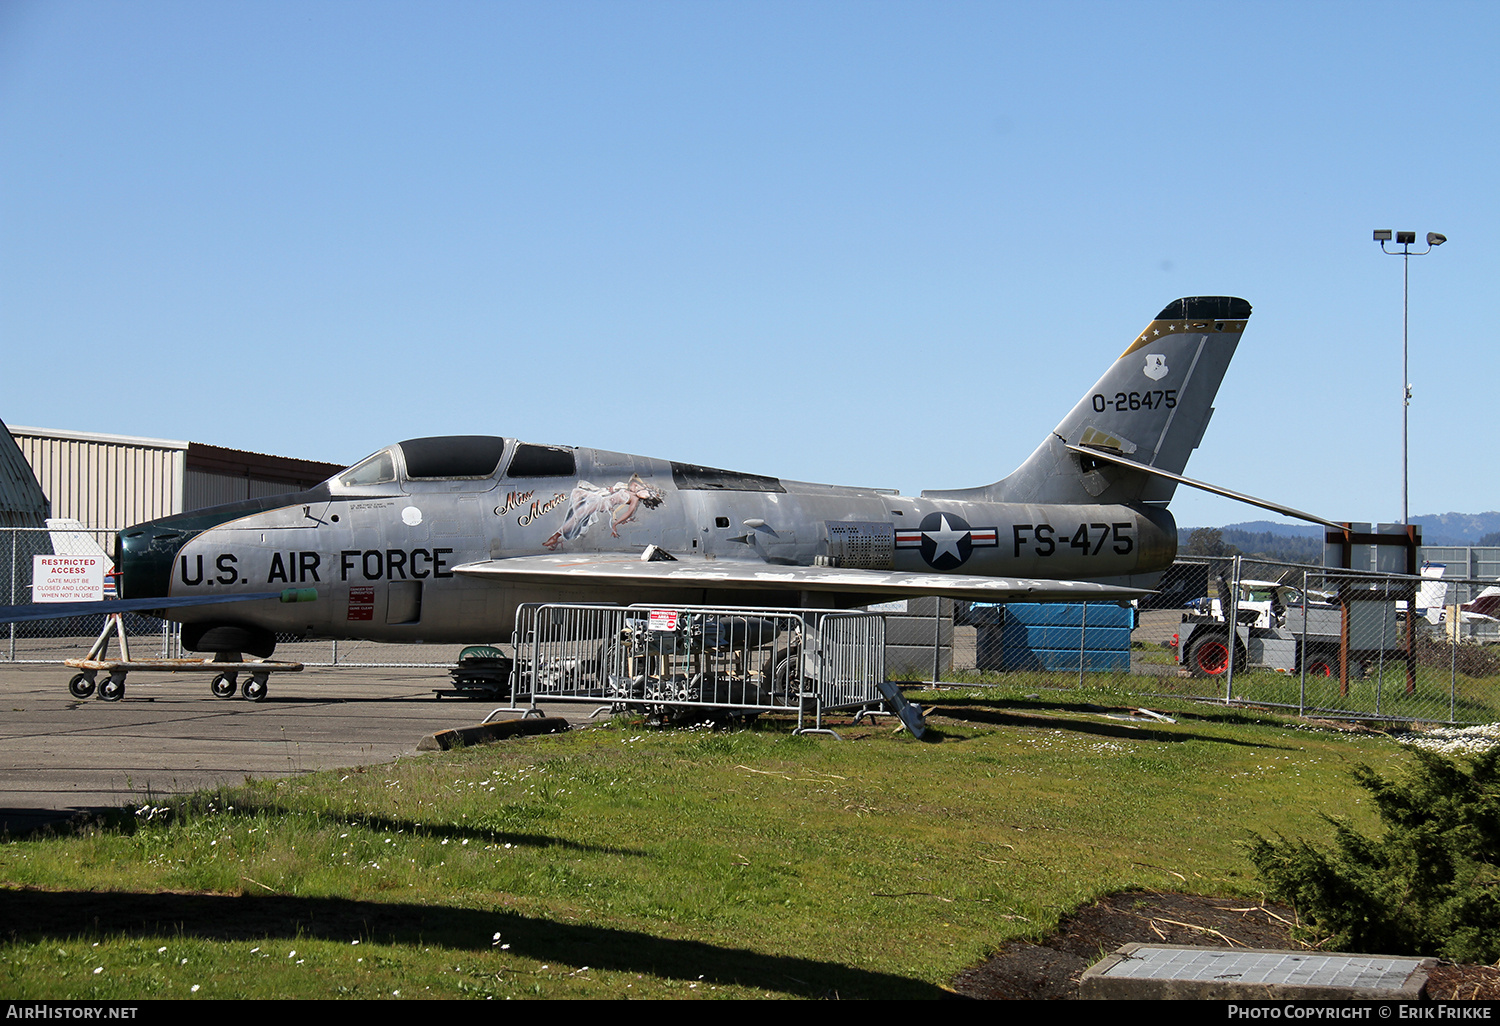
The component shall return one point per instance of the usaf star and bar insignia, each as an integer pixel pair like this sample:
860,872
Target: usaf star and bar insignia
946,540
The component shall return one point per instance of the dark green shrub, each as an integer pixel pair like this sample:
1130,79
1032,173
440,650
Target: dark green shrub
1429,885
1475,661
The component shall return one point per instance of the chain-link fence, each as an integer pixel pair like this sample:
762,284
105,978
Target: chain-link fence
52,641
1309,639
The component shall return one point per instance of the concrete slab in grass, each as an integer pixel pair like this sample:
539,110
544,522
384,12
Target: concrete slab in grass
1158,971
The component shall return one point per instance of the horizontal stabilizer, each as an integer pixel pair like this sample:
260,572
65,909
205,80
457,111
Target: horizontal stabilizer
734,575
1274,507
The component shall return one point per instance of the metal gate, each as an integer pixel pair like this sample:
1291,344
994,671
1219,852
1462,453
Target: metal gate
680,661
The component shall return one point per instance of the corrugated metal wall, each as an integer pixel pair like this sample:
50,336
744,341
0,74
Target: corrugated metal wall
105,481
205,488
216,475
110,482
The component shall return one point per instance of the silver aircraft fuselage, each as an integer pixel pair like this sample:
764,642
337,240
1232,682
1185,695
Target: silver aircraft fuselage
442,539
386,560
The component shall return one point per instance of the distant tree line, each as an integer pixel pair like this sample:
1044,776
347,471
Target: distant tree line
1268,545
1277,548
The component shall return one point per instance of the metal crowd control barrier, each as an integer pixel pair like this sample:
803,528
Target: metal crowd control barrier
677,662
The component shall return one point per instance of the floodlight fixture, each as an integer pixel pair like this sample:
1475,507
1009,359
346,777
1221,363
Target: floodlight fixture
1406,240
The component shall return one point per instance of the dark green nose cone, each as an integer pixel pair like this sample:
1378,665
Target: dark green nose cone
147,551
146,555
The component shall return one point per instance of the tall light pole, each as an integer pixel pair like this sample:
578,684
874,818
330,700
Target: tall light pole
1405,240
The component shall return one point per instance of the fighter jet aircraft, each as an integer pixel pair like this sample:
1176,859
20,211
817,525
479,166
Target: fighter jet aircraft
441,539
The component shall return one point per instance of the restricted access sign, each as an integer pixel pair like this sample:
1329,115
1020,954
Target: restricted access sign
67,578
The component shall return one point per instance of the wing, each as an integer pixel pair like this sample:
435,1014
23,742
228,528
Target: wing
59,610
719,575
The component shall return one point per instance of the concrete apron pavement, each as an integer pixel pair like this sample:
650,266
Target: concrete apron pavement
60,755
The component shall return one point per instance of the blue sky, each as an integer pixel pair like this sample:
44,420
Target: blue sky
868,243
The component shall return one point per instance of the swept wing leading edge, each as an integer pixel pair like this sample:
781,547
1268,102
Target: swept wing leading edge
722,574
58,610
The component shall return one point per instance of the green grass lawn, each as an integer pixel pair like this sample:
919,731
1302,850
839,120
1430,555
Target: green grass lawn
1438,697
628,861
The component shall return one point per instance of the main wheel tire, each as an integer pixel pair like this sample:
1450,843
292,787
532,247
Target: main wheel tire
81,686
258,641
782,678
224,685
1319,667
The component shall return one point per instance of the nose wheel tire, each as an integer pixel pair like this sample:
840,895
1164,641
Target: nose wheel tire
224,685
81,686
255,688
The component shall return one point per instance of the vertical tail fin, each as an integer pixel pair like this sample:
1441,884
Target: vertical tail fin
1433,594
1152,406
71,538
